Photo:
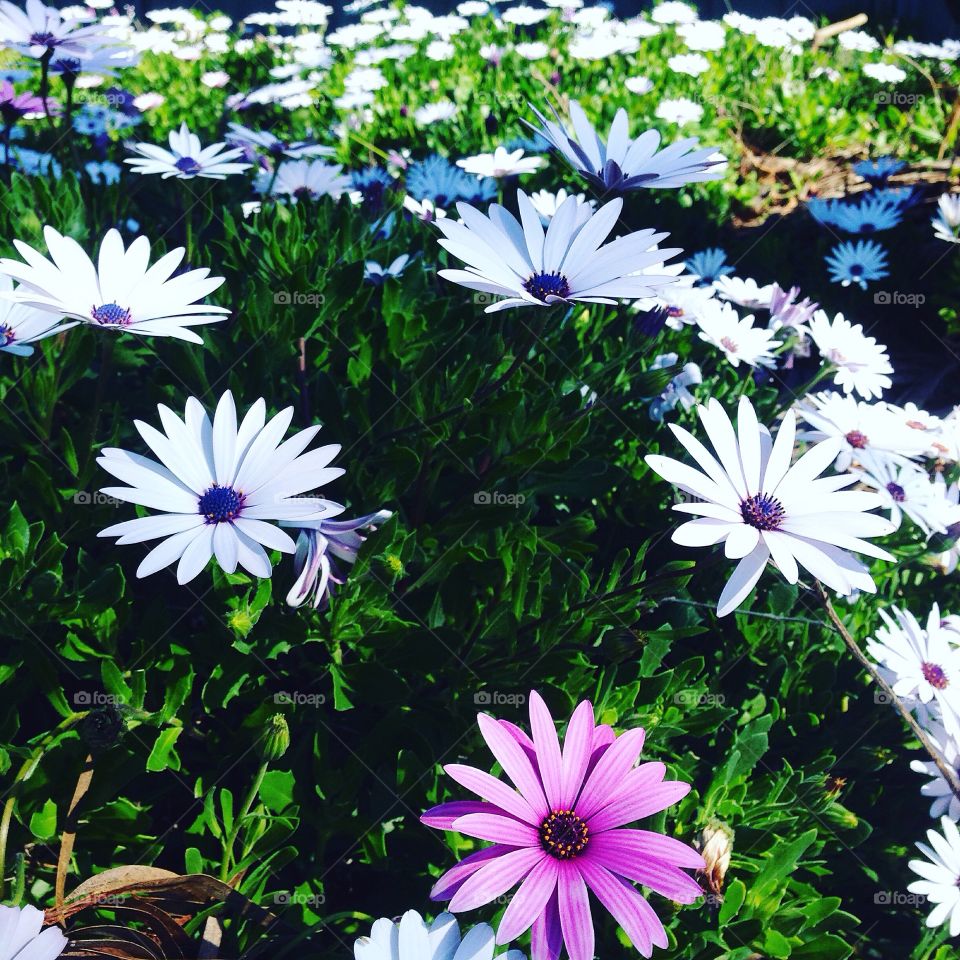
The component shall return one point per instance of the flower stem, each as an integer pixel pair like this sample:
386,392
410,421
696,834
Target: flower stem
248,802
946,771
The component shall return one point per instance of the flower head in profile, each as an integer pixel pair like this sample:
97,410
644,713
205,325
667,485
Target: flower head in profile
14,106
924,663
946,224
862,364
38,30
940,875
857,263
530,267
944,801
744,291
501,163
305,180
272,145
559,830
877,171
906,488
748,497
319,545
736,336
121,292
187,158
22,936
622,163
217,484
709,265
21,325
787,311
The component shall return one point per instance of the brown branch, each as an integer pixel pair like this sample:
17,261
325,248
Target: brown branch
70,836
841,26
946,771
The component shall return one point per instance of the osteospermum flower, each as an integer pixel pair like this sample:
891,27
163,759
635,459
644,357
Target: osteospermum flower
121,292
38,30
561,834
21,325
501,163
273,145
22,937
878,170
906,488
862,364
217,484
944,801
761,508
924,664
569,262
857,263
622,163
946,224
709,265
940,873
187,158
414,939
736,336
319,545
306,180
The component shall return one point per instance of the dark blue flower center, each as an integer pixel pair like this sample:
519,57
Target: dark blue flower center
935,675
762,512
856,269
111,314
6,335
221,504
303,193
896,491
67,65
564,835
188,166
43,40
543,285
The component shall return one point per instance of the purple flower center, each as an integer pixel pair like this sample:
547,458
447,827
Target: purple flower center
762,511
7,335
111,314
857,439
303,193
543,285
564,835
188,165
934,675
896,491
221,504
43,40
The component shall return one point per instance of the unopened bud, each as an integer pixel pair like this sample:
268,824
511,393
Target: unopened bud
716,846
102,727
276,739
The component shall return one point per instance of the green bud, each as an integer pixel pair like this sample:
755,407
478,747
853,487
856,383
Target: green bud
276,738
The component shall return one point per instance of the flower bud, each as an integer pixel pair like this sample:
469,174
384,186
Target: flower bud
102,727
716,846
276,738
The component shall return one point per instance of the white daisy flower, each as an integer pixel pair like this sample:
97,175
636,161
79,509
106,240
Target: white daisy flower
425,209
736,336
680,111
745,292
702,35
863,429
692,64
413,939
22,937
673,11
907,489
217,485
435,112
946,225
930,425
500,163
305,180
638,85
534,50
121,292
924,663
859,41
682,301
945,801
941,875
271,144
884,72
547,204
622,163
862,364
39,30
186,158
519,261
21,325
523,16
761,508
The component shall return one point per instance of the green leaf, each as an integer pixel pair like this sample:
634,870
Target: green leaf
733,898
16,536
43,822
162,755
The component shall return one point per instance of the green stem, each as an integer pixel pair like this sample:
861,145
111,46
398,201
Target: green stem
106,368
248,802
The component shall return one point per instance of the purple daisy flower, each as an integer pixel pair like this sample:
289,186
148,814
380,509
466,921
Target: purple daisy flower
561,833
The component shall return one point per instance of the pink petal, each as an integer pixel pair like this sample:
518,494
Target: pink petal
443,815
514,761
661,877
607,777
495,878
499,829
456,876
546,937
575,919
646,843
630,807
529,901
603,736
626,906
577,747
494,790
547,747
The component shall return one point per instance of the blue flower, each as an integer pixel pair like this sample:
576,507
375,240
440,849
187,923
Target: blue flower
903,197
373,184
877,171
857,263
708,265
876,211
440,181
